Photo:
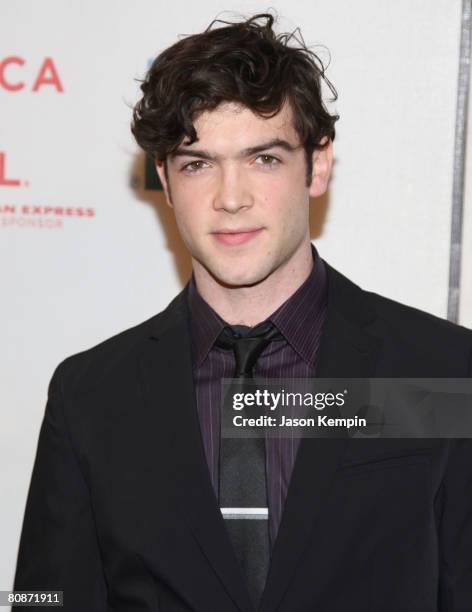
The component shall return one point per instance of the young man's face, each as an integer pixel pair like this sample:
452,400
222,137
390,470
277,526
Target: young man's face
240,194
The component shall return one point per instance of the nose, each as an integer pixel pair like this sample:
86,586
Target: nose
232,192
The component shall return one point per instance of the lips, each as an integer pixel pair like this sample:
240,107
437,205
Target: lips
236,237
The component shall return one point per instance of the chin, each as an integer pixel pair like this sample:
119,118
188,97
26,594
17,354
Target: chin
235,277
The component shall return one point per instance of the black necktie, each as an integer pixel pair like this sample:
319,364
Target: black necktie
243,487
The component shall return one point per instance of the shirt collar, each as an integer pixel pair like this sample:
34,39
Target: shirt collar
299,318
205,324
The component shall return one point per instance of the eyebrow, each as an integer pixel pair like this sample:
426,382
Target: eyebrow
271,144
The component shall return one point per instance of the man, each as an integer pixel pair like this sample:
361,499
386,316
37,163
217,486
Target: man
137,502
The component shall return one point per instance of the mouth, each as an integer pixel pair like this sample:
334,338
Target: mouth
232,237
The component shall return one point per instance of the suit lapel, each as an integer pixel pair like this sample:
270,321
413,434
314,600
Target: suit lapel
166,369
347,350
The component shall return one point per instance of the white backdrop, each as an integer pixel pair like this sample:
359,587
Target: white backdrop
86,251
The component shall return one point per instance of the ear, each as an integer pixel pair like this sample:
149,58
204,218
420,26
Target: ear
159,164
322,160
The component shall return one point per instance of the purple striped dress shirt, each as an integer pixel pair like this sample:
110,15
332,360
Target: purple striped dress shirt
300,319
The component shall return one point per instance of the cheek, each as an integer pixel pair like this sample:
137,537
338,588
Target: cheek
182,217
188,218
190,200
288,208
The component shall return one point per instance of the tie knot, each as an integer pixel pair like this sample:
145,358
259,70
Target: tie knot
248,348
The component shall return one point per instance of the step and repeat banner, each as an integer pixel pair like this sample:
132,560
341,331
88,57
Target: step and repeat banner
88,246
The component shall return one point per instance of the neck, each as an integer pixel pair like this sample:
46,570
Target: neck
249,305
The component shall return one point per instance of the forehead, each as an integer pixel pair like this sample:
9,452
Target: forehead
233,125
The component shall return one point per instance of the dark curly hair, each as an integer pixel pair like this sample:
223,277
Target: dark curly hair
243,62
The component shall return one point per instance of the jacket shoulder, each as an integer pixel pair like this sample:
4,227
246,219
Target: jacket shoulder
407,331
417,320
114,354
429,333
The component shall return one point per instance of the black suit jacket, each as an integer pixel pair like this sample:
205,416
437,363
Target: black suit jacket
121,514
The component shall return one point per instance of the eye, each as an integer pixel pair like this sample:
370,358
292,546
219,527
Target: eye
193,166
268,161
